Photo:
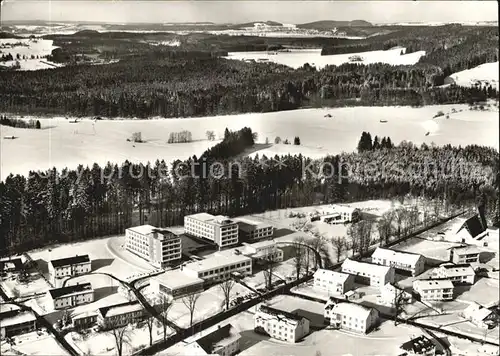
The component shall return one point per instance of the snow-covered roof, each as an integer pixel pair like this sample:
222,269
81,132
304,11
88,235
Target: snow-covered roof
156,232
364,267
396,256
465,250
121,309
477,311
266,244
85,314
143,229
268,312
218,338
353,310
248,225
20,318
175,279
332,275
209,218
457,270
424,284
216,261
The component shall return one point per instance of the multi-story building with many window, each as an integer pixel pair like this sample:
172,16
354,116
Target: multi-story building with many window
159,247
434,289
175,284
69,267
219,229
72,296
14,321
218,267
223,341
464,254
280,325
402,261
350,316
458,274
334,283
369,273
250,230
121,314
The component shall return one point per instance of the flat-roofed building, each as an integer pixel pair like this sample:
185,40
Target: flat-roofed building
369,273
334,283
480,316
219,267
219,229
71,296
280,325
250,230
14,321
419,346
390,295
121,314
464,254
223,341
63,268
434,289
263,250
160,247
458,274
350,316
339,214
403,261
176,283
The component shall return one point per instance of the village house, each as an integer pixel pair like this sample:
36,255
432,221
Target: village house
280,325
458,274
400,261
464,254
350,316
368,273
121,314
71,296
480,316
434,289
390,295
224,341
69,267
419,346
335,283
14,321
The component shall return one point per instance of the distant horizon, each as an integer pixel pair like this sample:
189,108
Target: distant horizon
237,12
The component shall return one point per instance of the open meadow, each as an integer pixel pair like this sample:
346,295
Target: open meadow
486,74
62,144
28,50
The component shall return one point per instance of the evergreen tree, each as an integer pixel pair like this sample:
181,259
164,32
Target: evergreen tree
376,144
296,140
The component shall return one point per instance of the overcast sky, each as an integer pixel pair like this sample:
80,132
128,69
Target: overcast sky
237,11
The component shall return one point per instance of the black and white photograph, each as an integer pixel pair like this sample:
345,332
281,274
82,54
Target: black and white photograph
252,178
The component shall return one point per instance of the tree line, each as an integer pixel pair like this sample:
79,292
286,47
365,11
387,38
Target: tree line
215,86
58,206
366,144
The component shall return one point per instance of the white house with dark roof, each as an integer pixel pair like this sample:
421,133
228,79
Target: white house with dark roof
434,289
120,314
159,247
458,274
71,296
464,254
369,273
350,316
69,267
280,325
223,341
334,283
403,261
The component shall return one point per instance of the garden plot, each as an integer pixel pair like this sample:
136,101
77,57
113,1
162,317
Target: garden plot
34,343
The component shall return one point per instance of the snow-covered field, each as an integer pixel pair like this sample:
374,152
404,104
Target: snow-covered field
484,74
27,48
62,144
297,58
34,344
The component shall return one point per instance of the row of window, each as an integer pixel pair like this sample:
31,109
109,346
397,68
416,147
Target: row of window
226,269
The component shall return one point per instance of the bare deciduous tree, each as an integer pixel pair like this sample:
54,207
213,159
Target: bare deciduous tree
319,244
150,322
299,255
210,135
226,288
121,335
384,227
269,263
189,302
163,306
339,245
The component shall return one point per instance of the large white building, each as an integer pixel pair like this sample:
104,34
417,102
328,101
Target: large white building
280,325
334,283
72,296
464,254
409,262
218,267
350,316
434,289
458,274
63,268
224,341
219,229
251,230
368,273
175,283
159,247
